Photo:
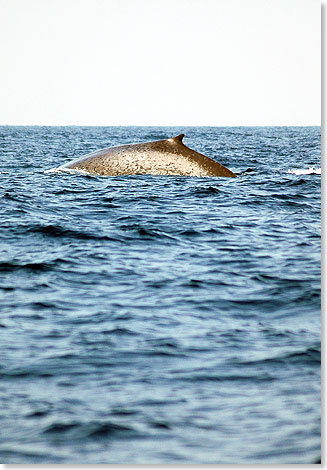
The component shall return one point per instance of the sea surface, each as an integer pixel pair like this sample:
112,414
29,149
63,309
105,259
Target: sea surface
160,319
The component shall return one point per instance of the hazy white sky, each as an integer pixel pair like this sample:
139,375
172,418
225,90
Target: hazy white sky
160,62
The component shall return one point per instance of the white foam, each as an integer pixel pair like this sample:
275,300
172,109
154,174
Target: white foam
308,171
52,170
72,171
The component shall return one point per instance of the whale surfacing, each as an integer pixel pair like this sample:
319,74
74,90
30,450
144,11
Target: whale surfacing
162,157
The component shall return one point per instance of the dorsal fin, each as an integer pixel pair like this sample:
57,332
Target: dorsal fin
179,138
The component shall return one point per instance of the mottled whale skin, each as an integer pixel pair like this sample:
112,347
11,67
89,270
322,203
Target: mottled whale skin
162,157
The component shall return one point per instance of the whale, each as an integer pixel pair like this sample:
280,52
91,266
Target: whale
161,157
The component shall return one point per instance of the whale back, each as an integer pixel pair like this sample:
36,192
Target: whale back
161,157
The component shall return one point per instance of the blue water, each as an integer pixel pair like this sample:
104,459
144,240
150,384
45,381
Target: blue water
155,319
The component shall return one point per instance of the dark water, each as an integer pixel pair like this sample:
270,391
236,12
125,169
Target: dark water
150,319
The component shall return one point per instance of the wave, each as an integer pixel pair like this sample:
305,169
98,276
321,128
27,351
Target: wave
146,232
59,231
227,378
205,190
13,266
311,355
97,430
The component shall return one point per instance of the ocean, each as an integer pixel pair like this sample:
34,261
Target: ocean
160,319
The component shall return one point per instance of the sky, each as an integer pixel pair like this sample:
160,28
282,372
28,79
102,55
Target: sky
160,62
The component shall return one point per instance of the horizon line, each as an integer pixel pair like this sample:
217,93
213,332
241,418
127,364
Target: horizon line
160,125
